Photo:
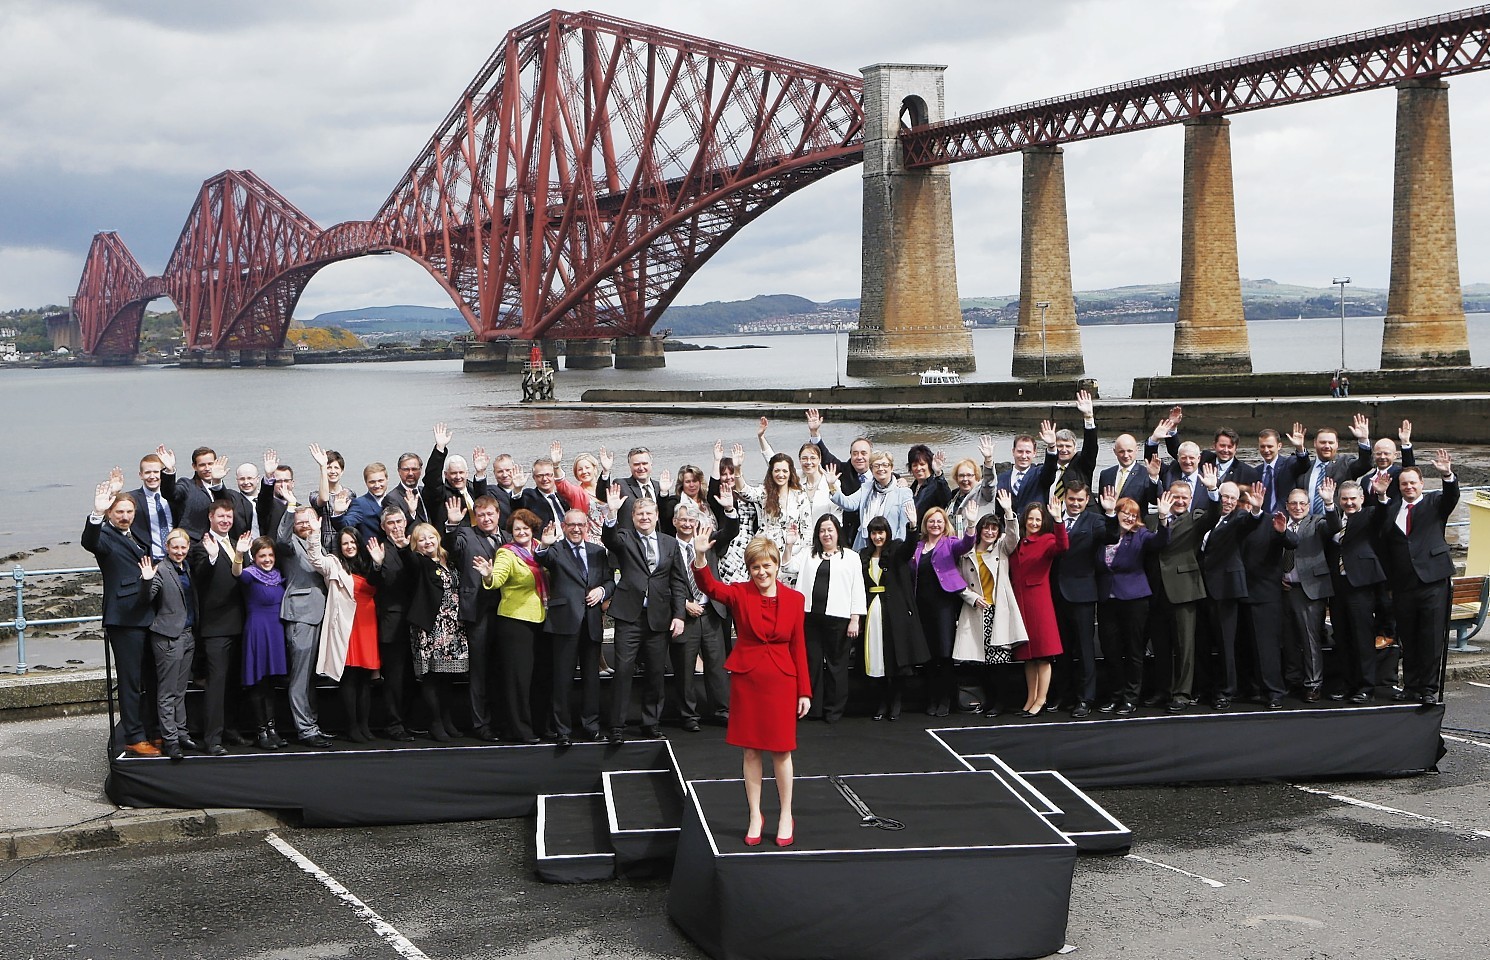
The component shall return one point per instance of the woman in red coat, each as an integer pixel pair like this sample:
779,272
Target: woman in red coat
1029,570
769,688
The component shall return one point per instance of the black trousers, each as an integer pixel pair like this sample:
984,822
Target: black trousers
637,641
1262,633
479,639
828,654
134,671
1223,615
396,664
1078,627
1422,611
1121,625
516,641
224,657
1353,614
702,635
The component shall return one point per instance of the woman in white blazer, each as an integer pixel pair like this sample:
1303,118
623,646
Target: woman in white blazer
831,578
990,626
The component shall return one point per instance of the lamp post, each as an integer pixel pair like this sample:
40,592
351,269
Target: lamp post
837,379
1341,282
1044,356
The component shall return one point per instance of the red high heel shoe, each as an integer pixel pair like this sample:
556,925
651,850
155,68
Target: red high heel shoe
786,841
755,841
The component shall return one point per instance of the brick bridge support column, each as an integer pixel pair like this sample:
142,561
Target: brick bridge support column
909,316
1425,324
1210,330
1045,341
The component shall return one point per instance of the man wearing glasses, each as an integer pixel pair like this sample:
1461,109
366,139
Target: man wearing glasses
580,581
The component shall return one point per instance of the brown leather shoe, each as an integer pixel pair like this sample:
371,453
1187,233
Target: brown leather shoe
142,749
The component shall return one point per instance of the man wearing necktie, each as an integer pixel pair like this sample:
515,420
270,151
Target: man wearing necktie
1026,482
220,604
152,514
1226,581
447,476
1383,459
640,485
544,498
580,580
126,613
703,633
1307,588
1351,545
1183,585
647,606
1328,465
1417,559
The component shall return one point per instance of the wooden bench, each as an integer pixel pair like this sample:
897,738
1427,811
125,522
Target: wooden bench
1469,605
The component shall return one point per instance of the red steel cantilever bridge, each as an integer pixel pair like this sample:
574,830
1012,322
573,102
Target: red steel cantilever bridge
595,164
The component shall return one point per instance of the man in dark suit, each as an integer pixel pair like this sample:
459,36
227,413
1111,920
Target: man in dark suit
1351,549
408,493
1128,477
193,498
276,494
1026,483
1327,465
1383,459
1070,465
126,612
1421,570
1277,474
704,632
1074,580
245,502
1261,623
639,485
1307,588
580,580
1183,583
647,607
395,592
1225,578
544,498
297,542
505,488
478,611
366,512
153,516
1223,452
448,476
220,630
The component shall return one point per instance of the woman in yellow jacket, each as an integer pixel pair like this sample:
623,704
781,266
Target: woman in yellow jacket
515,571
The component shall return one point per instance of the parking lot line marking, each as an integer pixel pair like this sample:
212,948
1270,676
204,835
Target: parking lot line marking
1473,683
1381,808
1193,876
1478,743
366,914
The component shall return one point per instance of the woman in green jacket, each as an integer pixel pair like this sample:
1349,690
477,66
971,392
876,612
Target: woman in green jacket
515,571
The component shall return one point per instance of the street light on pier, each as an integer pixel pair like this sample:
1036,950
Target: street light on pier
837,377
1044,356
1341,282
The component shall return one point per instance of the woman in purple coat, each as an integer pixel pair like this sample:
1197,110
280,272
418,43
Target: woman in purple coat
1123,591
263,638
939,587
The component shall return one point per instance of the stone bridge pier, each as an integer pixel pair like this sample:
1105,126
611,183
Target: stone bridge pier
909,316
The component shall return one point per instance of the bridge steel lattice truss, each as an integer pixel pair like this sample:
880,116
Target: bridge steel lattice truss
595,164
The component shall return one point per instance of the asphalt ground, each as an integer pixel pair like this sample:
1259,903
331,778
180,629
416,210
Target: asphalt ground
1396,868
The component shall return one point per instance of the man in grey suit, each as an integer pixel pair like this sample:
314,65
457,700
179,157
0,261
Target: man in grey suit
1307,588
1182,579
299,545
648,608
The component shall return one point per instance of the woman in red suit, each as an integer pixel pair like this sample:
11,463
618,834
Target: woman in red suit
769,688
1029,568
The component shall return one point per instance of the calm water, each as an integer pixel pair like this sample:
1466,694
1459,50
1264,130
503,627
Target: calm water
65,429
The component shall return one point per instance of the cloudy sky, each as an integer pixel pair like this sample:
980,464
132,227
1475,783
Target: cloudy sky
111,115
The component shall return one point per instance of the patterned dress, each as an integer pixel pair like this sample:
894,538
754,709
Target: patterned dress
443,649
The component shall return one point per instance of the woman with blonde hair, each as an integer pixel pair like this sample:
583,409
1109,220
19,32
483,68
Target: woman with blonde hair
769,686
514,570
441,650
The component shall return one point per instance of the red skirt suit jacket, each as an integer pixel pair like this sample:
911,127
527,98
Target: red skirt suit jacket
768,667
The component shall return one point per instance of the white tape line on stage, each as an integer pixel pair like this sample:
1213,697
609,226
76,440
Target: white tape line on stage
366,914
1193,876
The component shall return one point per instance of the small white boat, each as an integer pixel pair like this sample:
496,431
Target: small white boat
939,376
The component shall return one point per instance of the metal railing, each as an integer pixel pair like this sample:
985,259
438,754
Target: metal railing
20,623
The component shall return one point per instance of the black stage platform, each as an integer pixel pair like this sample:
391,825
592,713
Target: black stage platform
976,872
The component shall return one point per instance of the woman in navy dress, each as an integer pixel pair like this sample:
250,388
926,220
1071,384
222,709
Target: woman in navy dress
263,637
